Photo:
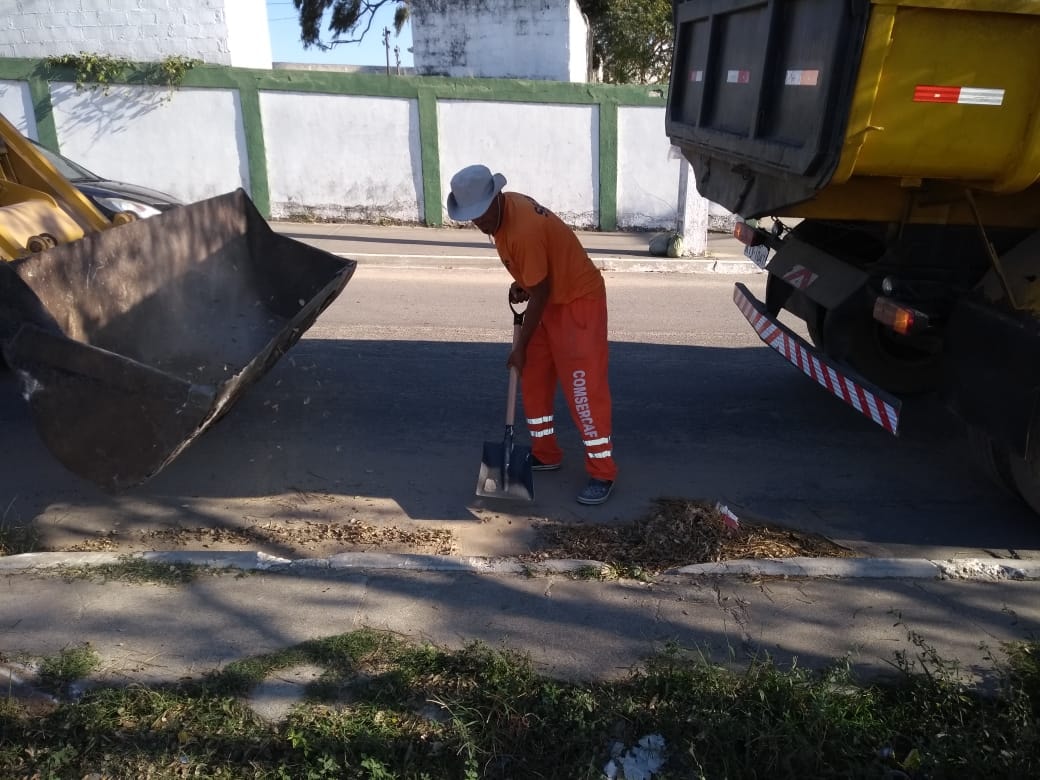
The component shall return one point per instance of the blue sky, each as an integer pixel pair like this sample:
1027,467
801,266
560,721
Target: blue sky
286,47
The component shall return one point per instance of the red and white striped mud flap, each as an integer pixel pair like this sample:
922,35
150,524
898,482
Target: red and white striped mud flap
881,407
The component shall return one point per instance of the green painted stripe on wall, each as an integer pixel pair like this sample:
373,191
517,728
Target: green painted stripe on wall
256,148
43,111
34,74
512,90
430,155
608,165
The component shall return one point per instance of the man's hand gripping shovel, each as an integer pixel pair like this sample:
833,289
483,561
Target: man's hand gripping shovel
505,470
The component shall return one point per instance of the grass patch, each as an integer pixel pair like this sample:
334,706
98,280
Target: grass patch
16,537
391,709
58,672
130,568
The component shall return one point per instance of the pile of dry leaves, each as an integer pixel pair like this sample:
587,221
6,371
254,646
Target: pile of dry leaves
679,532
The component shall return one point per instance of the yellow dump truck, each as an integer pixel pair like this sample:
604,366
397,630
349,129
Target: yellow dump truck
131,337
884,159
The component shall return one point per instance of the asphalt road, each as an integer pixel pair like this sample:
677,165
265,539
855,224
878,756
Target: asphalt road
378,416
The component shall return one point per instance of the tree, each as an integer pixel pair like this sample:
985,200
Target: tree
349,20
632,39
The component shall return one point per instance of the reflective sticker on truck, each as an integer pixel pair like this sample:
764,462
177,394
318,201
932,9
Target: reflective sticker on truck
800,277
875,404
738,76
802,78
963,95
696,75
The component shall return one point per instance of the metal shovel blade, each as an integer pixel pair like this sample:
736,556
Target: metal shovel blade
505,472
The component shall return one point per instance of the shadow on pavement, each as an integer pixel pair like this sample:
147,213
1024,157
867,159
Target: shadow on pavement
391,432
569,628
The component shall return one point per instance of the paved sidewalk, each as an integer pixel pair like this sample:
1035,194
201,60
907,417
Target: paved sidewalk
570,627
410,245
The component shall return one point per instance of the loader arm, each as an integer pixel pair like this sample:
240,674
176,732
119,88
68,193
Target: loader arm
39,208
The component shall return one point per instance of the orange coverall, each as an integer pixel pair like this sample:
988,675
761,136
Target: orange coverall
570,343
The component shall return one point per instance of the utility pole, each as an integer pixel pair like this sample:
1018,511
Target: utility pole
386,45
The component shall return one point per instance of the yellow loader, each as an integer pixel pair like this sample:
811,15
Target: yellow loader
131,337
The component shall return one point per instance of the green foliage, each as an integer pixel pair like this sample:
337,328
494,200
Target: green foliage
71,664
421,712
633,41
102,70
171,70
97,70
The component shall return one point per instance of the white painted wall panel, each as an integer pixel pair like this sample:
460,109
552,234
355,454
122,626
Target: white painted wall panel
16,106
648,176
343,157
550,152
187,142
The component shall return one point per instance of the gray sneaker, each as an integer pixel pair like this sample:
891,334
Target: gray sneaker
537,465
596,492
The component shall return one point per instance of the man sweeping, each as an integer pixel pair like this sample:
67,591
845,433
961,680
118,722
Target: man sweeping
564,334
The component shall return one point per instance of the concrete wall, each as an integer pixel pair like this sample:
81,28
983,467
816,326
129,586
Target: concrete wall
343,157
521,39
648,176
222,32
363,147
549,152
147,135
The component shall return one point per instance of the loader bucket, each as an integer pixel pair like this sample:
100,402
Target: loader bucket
132,341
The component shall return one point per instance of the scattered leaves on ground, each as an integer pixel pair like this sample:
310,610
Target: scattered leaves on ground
678,532
308,533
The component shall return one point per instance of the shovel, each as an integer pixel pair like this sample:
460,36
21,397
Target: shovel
505,469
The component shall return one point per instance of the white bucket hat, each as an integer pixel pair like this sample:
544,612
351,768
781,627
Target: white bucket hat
472,190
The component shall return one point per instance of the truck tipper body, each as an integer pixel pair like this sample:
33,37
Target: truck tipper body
883,160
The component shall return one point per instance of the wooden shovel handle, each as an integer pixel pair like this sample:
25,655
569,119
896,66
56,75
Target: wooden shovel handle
511,398
514,375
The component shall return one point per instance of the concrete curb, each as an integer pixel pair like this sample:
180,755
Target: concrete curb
709,264
690,265
988,570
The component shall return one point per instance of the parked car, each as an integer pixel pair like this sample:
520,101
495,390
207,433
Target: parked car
108,195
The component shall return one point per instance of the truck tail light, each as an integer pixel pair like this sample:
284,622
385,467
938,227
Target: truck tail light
747,235
899,317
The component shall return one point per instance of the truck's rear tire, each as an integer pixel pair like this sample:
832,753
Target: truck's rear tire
992,458
1025,474
1017,476
882,357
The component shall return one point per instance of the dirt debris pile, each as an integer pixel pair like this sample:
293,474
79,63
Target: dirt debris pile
679,532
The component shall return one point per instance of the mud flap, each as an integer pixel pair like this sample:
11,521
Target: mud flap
161,326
